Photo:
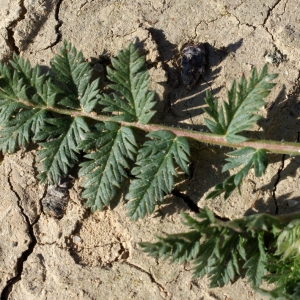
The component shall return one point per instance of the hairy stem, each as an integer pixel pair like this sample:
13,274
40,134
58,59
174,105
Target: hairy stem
282,219
209,138
287,218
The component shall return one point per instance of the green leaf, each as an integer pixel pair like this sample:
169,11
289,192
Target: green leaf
72,76
256,264
60,151
225,267
9,109
90,97
22,87
180,248
264,222
131,80
185,247
154,171
19,131
213,111
288,242
114,147
117,104
16,91
224,251
205,258
206,216
246,157
285,274
35,86
244,101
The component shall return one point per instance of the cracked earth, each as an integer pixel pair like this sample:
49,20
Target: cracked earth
95,256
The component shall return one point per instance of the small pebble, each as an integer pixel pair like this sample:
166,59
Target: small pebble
292,203
76,239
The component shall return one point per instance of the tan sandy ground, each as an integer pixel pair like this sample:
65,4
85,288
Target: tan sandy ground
95,256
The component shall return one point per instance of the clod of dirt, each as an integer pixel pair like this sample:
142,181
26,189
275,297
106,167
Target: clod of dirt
274,56
100,240
56,200
192,64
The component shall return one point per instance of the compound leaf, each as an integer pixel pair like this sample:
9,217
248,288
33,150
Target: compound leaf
60,151
244,101
130,79
245,158
288,242
73,75
18,131
22,87
180,248
31,108
154,171
256,265
114,147
221,250
224,267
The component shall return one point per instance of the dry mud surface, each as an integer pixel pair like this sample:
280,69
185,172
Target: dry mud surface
95,256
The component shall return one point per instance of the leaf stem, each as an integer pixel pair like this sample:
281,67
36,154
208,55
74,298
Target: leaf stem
287,218
214,139
238,224
203,137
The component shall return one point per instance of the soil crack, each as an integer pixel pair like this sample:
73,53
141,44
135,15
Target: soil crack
268,15
186,199
10,29
270,11
84,4
148,273
20,262
59,23
57,26
239,22
276,183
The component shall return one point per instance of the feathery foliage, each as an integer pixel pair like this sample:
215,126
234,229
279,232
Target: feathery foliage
154,171
237,114
72,80
53,110
225,251
245,156
58,110
20,89
60,151
285,274
130,79
234,116
284,264
222,250
114,148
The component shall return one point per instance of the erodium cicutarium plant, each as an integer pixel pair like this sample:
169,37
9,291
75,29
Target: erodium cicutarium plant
57,110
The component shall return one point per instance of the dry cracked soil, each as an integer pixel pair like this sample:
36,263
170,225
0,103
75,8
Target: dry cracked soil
96,256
